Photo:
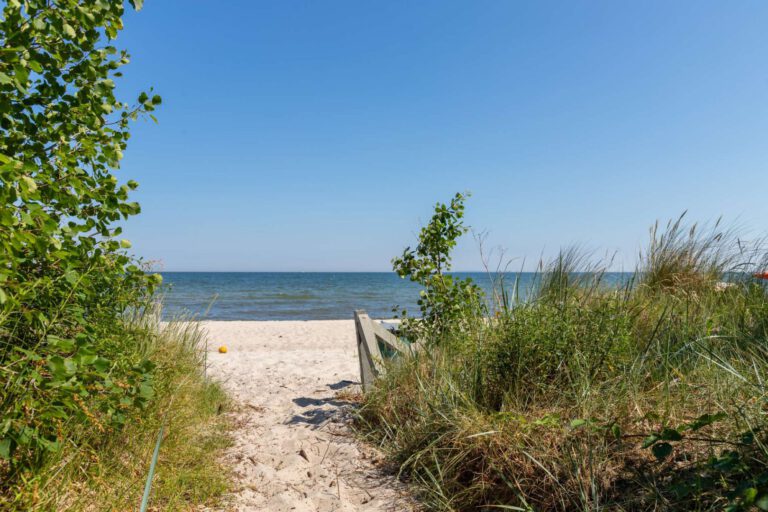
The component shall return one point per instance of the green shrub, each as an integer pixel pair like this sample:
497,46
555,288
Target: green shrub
445,301
64,278
72,362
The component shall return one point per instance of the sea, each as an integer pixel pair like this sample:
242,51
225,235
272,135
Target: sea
307,295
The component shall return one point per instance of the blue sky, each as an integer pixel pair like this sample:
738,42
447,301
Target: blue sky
308,135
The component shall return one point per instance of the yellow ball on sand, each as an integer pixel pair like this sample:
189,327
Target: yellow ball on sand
223,349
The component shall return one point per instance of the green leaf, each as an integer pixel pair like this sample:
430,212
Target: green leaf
705,420
28,184
51,446
56,365
3,296
87,359
125,244
748,495
22,74
670,434
101,364
5,448
62,368
661,450
71,277
762,502
5,79
146,390
69,31
70,366
65,345
650,440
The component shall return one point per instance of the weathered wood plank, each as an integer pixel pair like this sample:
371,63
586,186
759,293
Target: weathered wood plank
389,339
367,349
369,352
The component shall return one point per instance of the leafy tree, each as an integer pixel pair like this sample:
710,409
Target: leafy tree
446,301
63,133
65,279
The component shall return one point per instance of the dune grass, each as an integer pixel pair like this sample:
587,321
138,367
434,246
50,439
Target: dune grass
646,396
106,470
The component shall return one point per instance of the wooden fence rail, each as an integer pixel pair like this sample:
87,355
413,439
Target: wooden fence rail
372,337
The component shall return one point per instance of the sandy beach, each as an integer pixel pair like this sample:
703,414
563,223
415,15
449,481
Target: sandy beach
293,448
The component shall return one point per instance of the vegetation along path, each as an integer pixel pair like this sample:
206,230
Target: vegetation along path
293,449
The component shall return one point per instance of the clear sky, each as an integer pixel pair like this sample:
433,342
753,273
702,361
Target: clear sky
317,135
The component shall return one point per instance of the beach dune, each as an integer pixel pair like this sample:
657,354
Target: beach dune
293,449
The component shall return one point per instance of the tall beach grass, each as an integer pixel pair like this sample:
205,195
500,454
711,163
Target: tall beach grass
650,395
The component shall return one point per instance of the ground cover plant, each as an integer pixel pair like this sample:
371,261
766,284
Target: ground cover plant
80,366
647,394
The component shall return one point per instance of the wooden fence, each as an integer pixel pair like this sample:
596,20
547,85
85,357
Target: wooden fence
374,344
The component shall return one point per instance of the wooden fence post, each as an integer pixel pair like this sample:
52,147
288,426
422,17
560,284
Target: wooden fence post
367,349
370,337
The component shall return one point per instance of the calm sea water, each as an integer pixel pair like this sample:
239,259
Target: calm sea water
296,295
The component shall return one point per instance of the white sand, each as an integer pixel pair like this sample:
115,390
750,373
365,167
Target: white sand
293,450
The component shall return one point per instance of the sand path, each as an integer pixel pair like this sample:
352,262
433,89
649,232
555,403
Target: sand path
293,450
